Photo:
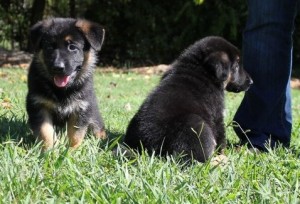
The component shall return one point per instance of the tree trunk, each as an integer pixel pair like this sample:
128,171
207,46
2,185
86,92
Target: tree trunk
5,4
37,11
72,8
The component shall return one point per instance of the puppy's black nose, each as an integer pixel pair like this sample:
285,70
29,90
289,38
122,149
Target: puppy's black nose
59,67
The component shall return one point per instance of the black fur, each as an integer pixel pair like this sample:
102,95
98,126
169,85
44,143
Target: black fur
184,113
60,78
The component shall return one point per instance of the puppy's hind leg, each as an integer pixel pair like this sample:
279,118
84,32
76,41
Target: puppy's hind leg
196,139
205,140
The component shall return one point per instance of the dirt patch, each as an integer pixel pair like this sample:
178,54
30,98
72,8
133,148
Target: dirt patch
148,70
14,58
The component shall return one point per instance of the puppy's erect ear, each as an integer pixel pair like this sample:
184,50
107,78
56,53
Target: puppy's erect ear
218,64
93,32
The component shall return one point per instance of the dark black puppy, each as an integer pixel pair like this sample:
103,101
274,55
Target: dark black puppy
184,114
60,79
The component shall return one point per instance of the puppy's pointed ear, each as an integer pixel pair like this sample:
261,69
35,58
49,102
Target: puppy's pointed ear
218,64
35,36
93,32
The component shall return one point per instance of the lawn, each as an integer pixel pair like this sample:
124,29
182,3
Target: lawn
95,174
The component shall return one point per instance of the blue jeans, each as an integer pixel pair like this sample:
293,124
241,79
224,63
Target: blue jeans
264,116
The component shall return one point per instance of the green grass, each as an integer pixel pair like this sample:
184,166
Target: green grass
94,174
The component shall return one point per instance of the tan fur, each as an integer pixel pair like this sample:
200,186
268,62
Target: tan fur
84,25
75,133
74,104
50,105
89,60
68,38
224,57
227,80
101,134
47,133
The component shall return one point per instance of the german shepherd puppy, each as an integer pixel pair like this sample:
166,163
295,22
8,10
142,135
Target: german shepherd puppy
184,113
60,80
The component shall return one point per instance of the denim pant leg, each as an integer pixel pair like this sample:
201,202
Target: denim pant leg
267,56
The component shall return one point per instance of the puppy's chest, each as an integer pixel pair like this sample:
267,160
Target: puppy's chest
63,108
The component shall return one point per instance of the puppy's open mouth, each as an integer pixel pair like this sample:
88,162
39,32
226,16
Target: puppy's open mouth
61,81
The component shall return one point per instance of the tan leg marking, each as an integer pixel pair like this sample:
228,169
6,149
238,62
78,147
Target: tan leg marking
101,134
47,133
75,134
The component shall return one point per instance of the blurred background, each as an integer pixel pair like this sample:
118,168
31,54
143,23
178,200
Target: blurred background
138,32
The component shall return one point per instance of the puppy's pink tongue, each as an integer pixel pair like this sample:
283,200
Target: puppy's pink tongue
61,81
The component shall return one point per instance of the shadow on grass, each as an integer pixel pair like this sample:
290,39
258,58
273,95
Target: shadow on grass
113,139
293,149
16,130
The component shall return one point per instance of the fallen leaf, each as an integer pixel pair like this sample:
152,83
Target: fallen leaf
128,107
3,75
6,100
24,78
6,105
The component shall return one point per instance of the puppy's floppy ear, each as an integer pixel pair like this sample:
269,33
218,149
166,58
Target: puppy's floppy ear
93,32
35,36
218,64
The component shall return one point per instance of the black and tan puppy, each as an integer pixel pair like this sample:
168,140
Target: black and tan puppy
184,113
60,79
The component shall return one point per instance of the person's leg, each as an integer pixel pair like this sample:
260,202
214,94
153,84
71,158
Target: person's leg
267,56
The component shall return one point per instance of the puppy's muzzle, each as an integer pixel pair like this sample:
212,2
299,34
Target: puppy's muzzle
59,67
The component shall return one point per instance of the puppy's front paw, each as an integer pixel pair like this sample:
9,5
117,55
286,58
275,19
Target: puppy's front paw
101,134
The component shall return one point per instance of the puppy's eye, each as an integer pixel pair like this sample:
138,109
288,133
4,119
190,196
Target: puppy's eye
72,47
